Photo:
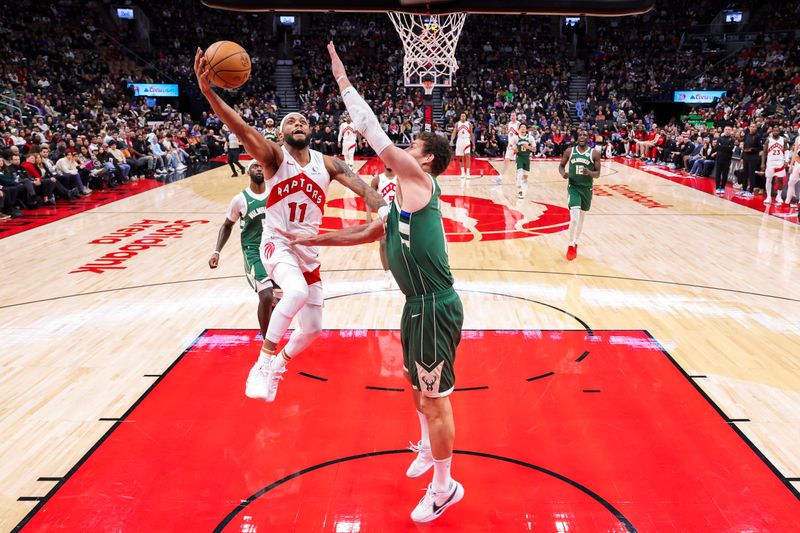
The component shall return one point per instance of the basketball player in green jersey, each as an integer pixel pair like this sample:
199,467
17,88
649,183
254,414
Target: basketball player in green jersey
248,207
416,250
270,133
580,164
525,146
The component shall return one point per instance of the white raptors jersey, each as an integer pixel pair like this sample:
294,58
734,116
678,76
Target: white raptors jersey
513,131
776,152
347,136
387,187
295,204
462,131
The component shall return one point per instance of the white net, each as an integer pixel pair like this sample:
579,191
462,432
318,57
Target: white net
429,43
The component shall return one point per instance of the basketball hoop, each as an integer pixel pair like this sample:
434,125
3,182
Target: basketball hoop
429,43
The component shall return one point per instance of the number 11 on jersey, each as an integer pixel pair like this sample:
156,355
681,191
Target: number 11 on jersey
295,214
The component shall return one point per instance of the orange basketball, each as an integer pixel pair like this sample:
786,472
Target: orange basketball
229,64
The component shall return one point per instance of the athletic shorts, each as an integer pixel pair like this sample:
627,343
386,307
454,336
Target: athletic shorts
777,172
254,269
524,164
274,253
348,152
430,331
580,197
463,147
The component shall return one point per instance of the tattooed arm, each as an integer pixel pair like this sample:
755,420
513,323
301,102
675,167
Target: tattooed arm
345,175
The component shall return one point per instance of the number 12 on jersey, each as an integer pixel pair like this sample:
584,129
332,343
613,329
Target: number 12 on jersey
295,214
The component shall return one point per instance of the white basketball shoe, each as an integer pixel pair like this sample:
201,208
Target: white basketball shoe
423,461
433,504
262,382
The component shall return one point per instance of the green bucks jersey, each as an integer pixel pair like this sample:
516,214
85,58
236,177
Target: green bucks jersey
270,134
527,140
416,248
251,221
579,159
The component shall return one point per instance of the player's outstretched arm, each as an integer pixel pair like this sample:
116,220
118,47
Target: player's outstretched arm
222,238
374,184
342,173
361,234
562,167
265,152
414,182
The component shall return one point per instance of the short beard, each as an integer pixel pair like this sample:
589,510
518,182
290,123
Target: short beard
258,179
299,145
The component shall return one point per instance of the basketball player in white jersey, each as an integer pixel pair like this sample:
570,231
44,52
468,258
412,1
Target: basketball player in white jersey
794,177
465,143
300,184
773,161
386,185
348,141
511,149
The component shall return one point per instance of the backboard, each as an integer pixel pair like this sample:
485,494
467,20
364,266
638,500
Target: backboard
528,7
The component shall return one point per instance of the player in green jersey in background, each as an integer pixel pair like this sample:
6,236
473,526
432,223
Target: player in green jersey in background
271,133
525,147
248,208
580,164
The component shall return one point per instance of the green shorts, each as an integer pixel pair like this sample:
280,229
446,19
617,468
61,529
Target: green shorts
430,331
580,197
254,269
524,164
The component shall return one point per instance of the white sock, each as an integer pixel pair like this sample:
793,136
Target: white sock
441,474
574,217
580,227
278,362
524,185
423,425
266,357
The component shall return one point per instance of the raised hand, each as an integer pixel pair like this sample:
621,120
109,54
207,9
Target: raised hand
201,72
337,67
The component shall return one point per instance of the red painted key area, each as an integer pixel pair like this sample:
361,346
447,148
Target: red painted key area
555,431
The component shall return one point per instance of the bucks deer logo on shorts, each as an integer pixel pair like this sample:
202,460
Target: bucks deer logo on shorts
429,381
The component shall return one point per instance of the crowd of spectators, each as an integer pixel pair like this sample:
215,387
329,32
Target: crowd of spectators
69,64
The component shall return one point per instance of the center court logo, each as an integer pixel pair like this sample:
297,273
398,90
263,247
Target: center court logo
470,218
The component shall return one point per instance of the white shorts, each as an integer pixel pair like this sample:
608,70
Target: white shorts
348,152
463,147
275,252
775,171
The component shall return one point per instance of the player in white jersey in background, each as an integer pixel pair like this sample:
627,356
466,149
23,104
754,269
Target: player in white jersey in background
773,161
348,141
386,185
300,184
511,148
465,143
794,176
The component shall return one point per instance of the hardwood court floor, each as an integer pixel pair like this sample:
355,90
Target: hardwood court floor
87,319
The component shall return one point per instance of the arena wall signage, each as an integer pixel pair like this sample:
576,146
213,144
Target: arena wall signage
698,97
154,89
